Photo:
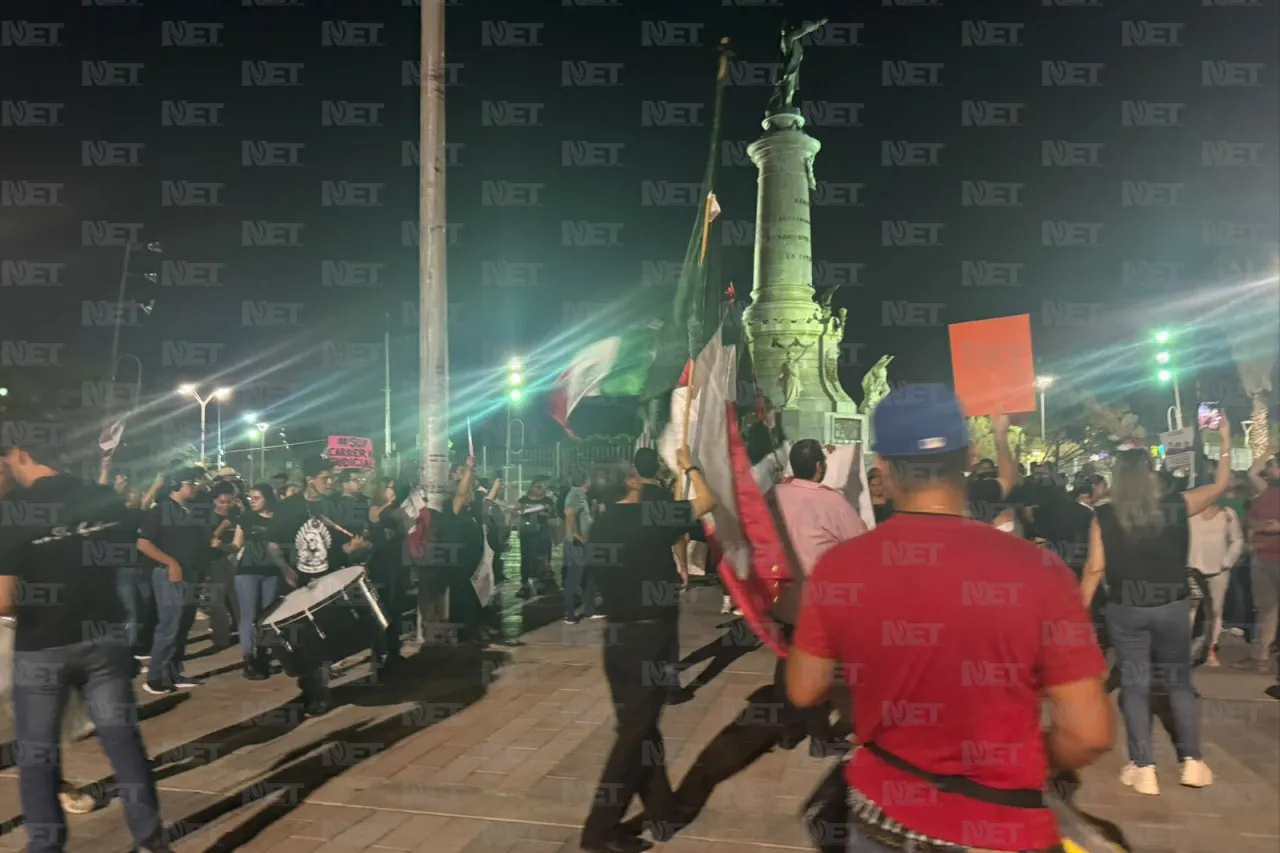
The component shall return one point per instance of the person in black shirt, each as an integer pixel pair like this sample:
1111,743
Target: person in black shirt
457,548
133,580
225,545
535,510
631,556
881,505
303,529
989,483
1138,542
351,505
258,578
175,537
69,620
386,561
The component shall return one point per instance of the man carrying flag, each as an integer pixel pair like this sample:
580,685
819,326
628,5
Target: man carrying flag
633,563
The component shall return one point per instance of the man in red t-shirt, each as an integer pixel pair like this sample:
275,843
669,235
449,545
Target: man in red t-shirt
1263,519
949,632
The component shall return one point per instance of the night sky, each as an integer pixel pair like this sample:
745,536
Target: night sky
1144,134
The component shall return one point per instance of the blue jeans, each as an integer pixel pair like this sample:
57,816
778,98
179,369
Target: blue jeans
575,562
255,593
43,681
1153,651
136,593
175,612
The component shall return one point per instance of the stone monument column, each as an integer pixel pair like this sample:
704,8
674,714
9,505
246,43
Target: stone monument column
795,343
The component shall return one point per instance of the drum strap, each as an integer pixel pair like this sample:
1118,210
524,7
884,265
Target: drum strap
1018,798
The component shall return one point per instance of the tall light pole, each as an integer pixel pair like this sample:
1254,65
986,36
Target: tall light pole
217,394
124,281
433,302
515,392
1168,372
1042,385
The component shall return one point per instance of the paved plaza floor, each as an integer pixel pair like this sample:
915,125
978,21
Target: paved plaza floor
498,751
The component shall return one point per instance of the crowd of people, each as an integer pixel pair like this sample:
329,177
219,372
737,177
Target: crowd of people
1019,583
949,633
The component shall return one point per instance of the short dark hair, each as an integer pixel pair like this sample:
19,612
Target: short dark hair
189,474
806,455
578,477
646,463
914,472
314,466
223,488
283,475
268,495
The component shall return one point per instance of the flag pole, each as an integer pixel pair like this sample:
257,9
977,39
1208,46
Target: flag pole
722,73
433,379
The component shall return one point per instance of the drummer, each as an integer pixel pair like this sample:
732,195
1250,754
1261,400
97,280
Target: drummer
299,541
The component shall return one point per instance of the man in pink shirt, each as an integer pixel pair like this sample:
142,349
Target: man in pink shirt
815,516
813,519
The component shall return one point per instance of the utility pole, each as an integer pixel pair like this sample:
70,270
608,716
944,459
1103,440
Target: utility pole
386,388
433,302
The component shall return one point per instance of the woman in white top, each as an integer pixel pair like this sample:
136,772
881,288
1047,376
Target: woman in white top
1215,546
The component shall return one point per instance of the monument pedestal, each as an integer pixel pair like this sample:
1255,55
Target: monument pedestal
795,343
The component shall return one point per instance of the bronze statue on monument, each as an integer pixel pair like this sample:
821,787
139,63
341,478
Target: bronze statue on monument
875,385
787,83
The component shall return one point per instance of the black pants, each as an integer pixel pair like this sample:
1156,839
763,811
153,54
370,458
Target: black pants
535,559
637,664
799,723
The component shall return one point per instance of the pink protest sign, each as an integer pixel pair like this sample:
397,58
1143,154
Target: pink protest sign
349,451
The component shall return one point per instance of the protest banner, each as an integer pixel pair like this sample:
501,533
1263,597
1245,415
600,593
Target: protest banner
349,451
993,367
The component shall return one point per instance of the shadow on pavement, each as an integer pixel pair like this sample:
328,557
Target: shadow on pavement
145,712
439,685
737,642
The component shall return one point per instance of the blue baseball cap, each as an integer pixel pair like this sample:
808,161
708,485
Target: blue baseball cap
919,420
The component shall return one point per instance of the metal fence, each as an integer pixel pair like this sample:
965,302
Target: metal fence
553,460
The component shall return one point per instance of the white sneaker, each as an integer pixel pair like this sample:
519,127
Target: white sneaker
75,801
1140,779
1196,774
726,606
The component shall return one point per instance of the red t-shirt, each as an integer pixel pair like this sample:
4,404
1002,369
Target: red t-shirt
947,630
1266,506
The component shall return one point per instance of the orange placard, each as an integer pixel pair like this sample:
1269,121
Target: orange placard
993,367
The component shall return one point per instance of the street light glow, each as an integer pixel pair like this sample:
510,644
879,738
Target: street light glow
1162,357
186,389
1043,382
263,427
514,379
515,364
222,393
1165,375
515,395
1163,336
251,418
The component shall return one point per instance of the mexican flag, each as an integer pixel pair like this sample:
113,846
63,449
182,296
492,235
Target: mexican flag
647,359
616,366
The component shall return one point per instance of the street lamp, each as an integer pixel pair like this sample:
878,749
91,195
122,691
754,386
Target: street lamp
1042,385
218,394
124,280
1168,373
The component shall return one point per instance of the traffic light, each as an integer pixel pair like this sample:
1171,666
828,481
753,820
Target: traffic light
514,380
1164,357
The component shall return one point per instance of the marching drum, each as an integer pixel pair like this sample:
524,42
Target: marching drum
331,618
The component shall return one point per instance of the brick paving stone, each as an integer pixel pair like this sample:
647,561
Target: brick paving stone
514,770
